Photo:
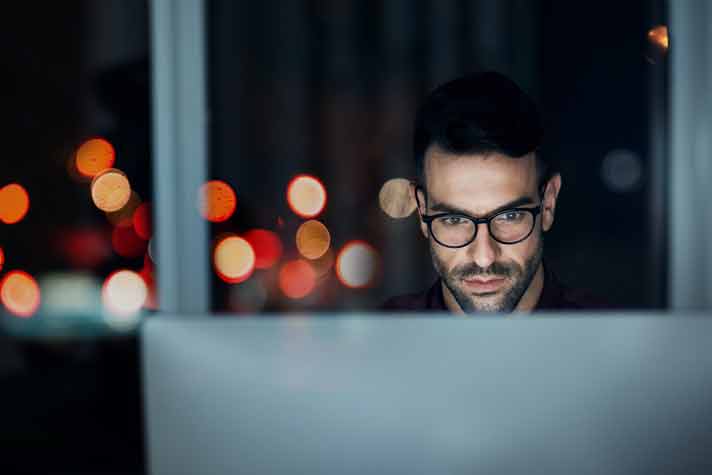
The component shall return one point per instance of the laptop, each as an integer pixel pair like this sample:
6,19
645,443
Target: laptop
380,394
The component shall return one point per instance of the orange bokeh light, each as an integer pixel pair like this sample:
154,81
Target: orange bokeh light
267,247
110,190
659,37
217,201
143,221
20,293
357,264
124,292
306,196
234,259
313,239
14,203
94,156
297,279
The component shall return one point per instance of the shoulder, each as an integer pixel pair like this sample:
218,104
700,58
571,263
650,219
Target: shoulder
559,296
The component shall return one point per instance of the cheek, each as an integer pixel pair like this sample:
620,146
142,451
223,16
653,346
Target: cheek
521,252
447,258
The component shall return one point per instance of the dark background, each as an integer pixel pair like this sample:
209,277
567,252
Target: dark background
325,87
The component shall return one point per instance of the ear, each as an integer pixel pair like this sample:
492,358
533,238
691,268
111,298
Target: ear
551,194
419,196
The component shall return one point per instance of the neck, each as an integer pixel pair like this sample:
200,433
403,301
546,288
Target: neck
526,303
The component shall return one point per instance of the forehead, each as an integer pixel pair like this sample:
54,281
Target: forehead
478,183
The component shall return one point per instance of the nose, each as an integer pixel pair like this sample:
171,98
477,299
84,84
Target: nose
483,250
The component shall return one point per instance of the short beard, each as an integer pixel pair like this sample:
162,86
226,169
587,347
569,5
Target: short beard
522,278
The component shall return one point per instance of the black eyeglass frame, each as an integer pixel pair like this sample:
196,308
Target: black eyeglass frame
428,220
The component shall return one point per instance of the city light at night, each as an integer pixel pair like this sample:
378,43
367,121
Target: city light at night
396,198
357,265
127,243
142,221
217,201
124,293
234,259
14,203
267,247
110,190
297,279
94,156
306,196
20,293
313,239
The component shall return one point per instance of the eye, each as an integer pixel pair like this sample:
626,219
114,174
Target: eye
510,217
452,220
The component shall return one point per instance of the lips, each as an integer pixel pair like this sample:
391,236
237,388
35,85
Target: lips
482,285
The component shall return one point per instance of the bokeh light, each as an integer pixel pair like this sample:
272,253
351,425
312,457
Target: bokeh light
396,198
124,293
622,170
357,264
14,203
2,258
313,239
217,201
658,36
20,293
306,196
94,156
124,216
110,190
234,259
267,247
84,247
127,243
297,279
143,221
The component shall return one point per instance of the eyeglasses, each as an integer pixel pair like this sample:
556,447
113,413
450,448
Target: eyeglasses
458,230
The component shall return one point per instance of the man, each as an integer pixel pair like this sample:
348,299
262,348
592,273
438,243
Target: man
486,197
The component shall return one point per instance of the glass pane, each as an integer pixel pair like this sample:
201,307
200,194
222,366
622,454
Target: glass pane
75,188
329,89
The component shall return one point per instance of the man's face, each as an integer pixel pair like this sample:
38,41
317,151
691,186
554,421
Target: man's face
486,275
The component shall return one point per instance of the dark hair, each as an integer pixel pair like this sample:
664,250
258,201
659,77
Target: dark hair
479,114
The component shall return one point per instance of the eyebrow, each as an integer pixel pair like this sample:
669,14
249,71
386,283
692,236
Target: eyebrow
445,208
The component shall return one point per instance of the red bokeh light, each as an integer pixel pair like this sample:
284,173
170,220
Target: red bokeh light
84,247
217,201
267,247
127,243
306,196
297,279
2,258
20,293
143,221
14,203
